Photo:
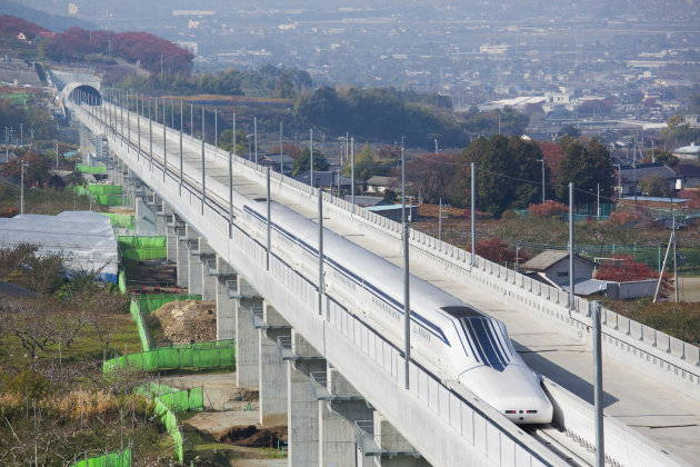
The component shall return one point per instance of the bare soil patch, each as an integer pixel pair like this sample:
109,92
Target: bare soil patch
188,321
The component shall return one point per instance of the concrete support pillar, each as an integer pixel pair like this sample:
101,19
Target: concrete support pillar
194,265
183,258
225,305
207,258
171,239
272,374
337,416
399,452
247,352
302,402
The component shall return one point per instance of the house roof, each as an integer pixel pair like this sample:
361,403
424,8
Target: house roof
688,170
378,180
692,149
629,174
547,259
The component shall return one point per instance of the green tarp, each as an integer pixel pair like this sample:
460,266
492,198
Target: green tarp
142,248
88,169
124,221
122,281
114,459
150,303
217,354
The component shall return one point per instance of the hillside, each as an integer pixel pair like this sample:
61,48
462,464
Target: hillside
41,18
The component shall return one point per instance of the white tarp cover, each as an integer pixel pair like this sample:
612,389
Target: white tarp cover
85,238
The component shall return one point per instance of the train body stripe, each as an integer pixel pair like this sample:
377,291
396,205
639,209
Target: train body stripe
416,317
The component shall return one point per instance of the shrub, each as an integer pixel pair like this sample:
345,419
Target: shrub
29,383
496,250
624,217
548,209
623,269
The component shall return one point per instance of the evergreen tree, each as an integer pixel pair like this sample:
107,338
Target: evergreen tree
586,163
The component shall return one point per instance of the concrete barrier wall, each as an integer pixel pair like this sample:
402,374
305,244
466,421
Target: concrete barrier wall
673,359
448,425
623,446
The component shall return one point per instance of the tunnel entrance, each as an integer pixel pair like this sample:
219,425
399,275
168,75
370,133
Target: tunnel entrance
85,94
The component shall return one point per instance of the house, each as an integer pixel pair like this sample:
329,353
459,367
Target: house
379,184
552,267
365,201
689,174
393,211
690,153
632,177
325,179
273,161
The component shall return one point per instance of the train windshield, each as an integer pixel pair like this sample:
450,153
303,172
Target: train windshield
486,337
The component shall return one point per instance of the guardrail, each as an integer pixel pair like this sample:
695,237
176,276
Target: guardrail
473,421
627,339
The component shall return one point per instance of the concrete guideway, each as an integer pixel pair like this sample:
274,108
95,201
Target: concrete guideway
558,353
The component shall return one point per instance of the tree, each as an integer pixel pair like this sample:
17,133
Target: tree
568,130
624,268
656,186
431,175
302,163
508,174
586,163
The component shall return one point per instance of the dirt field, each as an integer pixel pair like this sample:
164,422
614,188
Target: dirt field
188,321
690,289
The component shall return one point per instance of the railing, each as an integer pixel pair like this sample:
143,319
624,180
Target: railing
627,336
477,428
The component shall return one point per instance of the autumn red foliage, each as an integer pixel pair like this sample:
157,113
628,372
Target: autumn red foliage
624,268
136,47
692,196
11,26
547,209
553,155
498,251
624,217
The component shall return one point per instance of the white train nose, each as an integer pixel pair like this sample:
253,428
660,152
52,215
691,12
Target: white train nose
515,392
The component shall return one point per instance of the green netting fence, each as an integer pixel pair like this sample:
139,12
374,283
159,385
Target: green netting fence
89,169
169,420
204,355
179,400
105,195
167,401
145,304
124,221
121,281
137,248
114,459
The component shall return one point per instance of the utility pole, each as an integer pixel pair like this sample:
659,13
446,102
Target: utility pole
320,252
22,165
440,220
216,127
311,156
572,280
255,137
191,119
150,135
544,192
676,285
181,156
138,125
230,194
165,150
352,173
269,220
598,200
436,145
472,223
281,148
406,274
598,386
233,137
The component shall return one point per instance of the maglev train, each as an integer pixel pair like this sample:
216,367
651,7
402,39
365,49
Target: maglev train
451,338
